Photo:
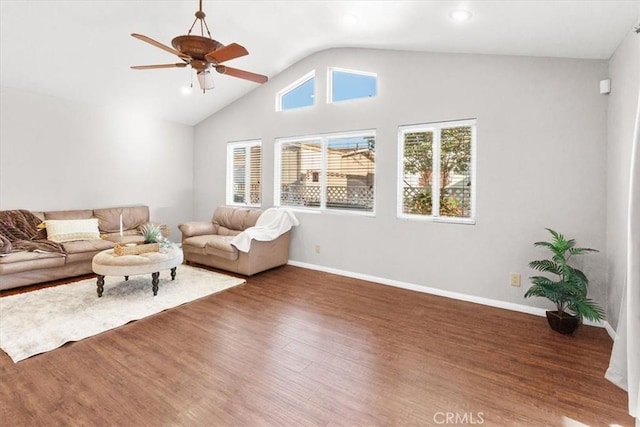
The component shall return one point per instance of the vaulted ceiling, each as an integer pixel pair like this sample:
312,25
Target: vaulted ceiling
81,50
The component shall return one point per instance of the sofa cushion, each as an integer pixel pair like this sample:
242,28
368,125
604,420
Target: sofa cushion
220,246
76,214
94,245
17,262
132,218
68,230
129,236
233,220
224,231
85,250
197,241
211,244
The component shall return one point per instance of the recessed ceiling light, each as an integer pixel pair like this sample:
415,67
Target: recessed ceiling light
460,15
186,90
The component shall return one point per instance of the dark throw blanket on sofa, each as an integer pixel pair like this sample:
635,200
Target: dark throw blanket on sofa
19,232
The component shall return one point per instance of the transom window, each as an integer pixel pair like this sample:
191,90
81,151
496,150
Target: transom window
300,93
350,84
443,189
244,173
332,172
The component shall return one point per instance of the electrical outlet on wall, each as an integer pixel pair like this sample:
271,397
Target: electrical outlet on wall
514,279
317,249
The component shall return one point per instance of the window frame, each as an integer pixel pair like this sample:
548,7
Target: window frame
302,80
436,128
330,71
324,143
247,145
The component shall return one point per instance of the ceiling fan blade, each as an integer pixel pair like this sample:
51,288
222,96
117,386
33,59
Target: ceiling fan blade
160,45
232,51
150,67
258,78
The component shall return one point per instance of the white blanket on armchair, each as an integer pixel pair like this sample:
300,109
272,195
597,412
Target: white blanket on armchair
270,225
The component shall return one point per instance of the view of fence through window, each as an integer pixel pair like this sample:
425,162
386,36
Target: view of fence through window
451,194
245,173
334,172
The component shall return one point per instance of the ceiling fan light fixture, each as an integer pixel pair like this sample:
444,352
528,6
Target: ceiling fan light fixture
205,79
201,53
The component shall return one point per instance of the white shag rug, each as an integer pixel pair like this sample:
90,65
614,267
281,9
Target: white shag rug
43,320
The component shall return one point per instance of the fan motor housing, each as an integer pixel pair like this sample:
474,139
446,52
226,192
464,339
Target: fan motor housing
196,46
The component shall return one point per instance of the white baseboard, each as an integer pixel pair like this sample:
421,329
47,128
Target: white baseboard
440,292
612,333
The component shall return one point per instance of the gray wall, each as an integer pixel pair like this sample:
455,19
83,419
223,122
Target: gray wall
60,155
541,150
624,71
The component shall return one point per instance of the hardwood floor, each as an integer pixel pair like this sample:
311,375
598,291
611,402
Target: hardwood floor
300,347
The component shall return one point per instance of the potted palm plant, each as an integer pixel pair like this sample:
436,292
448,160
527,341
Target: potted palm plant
568,290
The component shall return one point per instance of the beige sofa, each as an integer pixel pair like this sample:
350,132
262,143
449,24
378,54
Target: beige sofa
26,268
209,243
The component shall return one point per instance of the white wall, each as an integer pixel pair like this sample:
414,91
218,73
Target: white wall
541,149
624,71
58,155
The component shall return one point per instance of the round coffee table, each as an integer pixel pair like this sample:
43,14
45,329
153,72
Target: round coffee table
106,263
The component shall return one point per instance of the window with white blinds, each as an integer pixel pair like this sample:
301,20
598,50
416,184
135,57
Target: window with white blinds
334,172
244,173
436,171
299,177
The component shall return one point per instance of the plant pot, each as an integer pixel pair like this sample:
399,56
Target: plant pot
565,324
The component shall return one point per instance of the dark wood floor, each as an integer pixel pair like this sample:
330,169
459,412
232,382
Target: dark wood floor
299,347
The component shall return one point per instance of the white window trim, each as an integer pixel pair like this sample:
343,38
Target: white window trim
324,142
247,172
330,71
302,80
436,128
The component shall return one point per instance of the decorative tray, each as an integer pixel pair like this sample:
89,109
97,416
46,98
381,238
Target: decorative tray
120,249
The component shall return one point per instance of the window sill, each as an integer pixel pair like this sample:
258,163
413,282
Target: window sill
317,211
245,205
446,220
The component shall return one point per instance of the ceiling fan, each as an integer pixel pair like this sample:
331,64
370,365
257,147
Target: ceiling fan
202,54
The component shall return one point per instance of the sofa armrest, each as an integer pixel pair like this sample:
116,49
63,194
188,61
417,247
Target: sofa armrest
265,255
197,228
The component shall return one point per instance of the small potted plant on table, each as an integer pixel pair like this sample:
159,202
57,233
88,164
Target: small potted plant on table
568,290
152,233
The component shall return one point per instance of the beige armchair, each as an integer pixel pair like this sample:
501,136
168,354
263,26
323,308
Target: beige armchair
210,243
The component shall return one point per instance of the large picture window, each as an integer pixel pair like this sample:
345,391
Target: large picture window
332,172
244,173
436,168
